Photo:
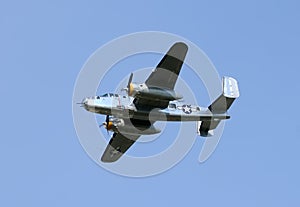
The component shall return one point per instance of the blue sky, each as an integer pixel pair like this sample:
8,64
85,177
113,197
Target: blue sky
43,47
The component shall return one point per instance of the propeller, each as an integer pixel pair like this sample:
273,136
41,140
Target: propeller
129,82
127,89
106,123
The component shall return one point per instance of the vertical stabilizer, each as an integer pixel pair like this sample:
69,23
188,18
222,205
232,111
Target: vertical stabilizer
225,100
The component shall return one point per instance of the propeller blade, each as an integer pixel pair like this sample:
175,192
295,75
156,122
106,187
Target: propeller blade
127,89
107,119
129,81
107,122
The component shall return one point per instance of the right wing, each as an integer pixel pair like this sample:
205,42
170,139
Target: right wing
117,146
164,76
166,72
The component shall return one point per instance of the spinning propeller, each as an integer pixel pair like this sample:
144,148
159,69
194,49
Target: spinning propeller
106,123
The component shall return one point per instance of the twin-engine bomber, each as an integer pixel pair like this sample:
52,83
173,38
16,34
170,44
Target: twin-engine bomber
128,116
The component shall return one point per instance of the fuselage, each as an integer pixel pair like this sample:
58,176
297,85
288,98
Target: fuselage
122,106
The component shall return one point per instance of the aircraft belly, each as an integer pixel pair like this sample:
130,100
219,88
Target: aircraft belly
160,116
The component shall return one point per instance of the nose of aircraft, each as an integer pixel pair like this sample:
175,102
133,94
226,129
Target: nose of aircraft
84,101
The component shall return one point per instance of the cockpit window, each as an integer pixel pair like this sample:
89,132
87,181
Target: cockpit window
109,95
105,95
172,106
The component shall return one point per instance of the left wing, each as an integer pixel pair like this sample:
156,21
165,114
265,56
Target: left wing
122,140
117,146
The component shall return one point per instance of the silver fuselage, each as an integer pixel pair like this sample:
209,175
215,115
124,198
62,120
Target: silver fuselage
122,106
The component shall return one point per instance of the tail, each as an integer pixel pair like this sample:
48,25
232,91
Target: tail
220,106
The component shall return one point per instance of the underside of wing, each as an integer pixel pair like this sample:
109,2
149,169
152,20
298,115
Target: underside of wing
117,146
166,73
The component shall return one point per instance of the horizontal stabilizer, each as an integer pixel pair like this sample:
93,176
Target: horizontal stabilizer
206,128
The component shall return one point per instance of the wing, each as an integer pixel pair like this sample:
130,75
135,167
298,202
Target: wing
166,72
164,76
117,146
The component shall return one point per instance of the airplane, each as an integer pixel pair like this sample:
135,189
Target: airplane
128,116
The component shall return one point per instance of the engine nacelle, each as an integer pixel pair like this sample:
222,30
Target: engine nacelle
142,90
138,130
118,125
